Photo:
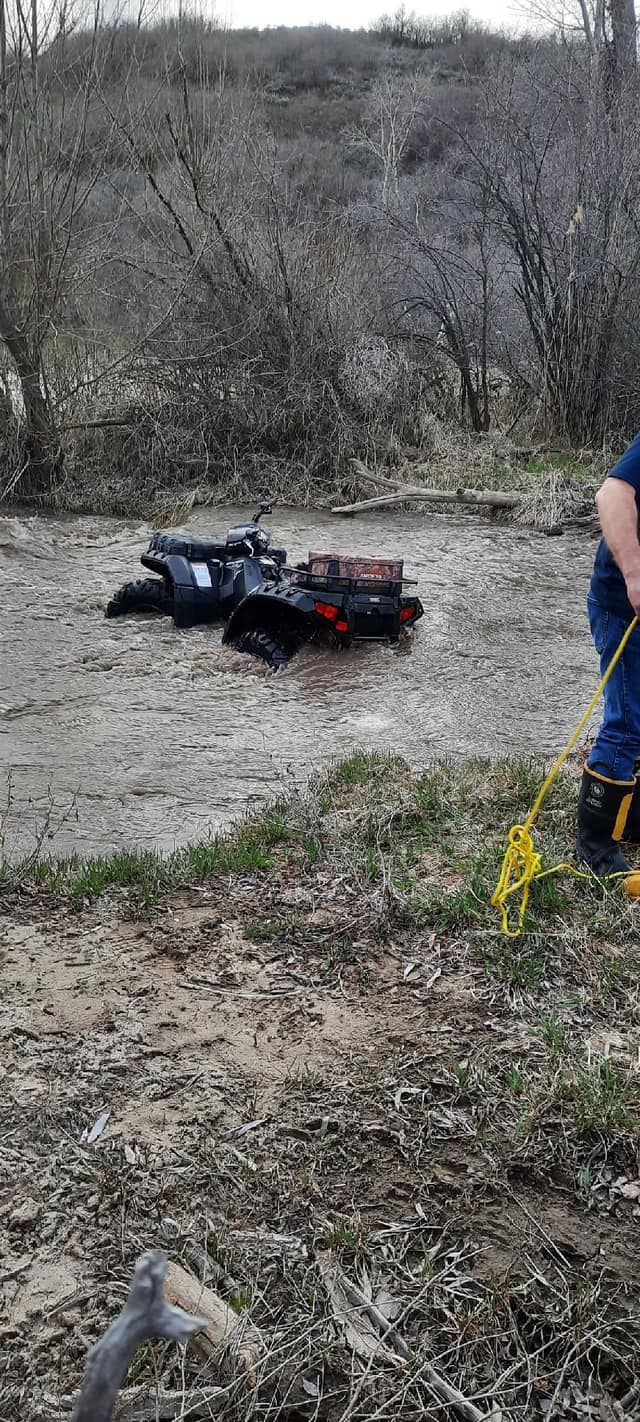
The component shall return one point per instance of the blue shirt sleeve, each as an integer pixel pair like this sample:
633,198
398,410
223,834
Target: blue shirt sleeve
628,467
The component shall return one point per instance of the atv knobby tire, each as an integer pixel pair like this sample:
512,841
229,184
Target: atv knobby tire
272,650
145,595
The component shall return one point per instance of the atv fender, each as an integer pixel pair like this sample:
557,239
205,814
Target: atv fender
272,614
195,587
173,567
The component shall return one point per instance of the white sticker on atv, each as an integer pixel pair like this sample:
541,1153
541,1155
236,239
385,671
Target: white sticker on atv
202,575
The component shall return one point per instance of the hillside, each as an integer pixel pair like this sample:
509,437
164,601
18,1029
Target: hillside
234,250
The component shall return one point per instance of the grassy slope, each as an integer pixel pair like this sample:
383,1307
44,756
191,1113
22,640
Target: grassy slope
458,1122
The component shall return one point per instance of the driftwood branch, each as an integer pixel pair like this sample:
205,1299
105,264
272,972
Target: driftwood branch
404,492
220,1328
358,1316
493,498
371,476
146,1314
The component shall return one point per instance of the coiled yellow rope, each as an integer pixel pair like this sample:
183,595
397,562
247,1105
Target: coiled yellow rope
522,864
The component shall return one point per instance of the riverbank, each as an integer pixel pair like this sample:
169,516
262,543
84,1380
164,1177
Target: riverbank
111,472
308,1042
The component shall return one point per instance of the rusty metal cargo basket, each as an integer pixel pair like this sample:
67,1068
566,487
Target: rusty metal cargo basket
333,572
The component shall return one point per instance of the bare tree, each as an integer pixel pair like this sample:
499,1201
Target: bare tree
46,178
608,27
385,131
563,179
447,274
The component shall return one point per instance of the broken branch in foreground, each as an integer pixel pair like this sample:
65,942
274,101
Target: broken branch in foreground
146,1314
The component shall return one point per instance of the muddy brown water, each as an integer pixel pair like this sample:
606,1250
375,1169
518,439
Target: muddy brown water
139,735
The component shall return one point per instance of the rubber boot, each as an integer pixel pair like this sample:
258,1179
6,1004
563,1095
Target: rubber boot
603,809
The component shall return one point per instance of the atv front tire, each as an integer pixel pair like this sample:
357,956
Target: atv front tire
145,595
272,650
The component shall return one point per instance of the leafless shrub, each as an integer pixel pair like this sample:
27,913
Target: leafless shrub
221,281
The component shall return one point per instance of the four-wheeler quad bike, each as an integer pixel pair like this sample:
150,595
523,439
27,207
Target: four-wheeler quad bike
272,609
202,579
329,598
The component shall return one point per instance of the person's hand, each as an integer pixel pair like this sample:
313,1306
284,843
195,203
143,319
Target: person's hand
633,591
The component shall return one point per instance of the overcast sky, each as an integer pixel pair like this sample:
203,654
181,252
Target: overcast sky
354,13
349,14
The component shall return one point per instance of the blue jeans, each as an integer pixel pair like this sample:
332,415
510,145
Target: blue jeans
617,745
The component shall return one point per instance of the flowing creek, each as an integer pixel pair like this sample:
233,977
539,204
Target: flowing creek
128,733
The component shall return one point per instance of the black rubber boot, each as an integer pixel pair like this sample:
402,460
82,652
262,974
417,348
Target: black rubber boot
603,809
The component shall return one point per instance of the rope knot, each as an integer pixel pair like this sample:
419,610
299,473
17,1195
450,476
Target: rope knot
521,865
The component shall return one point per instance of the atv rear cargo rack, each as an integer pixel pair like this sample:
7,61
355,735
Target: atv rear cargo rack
330,572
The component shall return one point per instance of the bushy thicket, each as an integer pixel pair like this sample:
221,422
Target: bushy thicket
301,245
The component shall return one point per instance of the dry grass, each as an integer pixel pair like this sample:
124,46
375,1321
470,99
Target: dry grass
321,1047
160,465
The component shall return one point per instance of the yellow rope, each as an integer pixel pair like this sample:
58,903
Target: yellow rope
522,864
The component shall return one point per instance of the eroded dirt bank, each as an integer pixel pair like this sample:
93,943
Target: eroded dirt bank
326,1047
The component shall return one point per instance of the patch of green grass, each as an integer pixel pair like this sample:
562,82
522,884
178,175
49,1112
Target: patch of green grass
518,962
560,463
241,1301
311,849
514,1080
363,767
305,1078
343,1234
555,1037
249,849
142,1360
461,1072
371,864
199,861
601,1098
261,930
444,910
617,976
435,794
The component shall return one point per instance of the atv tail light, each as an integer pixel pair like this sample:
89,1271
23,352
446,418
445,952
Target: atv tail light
406,613
342,626
326,609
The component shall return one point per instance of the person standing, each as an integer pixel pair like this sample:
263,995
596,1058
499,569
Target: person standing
609,802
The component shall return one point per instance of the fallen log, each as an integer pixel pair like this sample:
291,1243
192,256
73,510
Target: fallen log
385,480
474,498
378,503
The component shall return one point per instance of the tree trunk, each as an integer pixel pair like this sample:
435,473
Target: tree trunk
42,443
623,31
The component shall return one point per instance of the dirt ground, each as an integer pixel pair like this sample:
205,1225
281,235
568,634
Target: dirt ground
268,1067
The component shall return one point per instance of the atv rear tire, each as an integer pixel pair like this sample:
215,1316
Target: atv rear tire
272,650
145,595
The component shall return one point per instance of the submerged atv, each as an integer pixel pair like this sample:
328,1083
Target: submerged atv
329,599
271,609
202,579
